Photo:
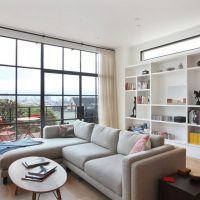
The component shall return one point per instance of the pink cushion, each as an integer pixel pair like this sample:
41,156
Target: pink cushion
142,144
66,130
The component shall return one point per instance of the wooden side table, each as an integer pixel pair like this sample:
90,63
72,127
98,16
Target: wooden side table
182,189
51,184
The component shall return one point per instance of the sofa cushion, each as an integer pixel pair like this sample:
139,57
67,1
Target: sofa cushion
79,154
66,131
144,143
107,171
157,140
127,140
105,137
51,148
83,130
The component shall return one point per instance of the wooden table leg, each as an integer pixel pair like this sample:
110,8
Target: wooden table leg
34,196
58,194
16,190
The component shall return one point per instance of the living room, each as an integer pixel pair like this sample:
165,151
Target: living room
104,63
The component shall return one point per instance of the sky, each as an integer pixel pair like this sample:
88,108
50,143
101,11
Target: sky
29,79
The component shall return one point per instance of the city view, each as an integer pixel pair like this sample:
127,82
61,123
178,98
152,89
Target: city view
20,94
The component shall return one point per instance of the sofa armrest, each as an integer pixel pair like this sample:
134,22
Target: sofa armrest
145,173
131,158
51,131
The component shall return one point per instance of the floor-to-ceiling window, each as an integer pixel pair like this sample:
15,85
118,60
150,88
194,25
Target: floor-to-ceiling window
42,84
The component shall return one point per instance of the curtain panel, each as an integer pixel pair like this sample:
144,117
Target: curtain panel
108,114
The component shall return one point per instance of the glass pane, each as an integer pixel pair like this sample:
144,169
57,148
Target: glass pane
180,46
48,123
68,121
53,101
28,101
70,107
7,132
28,106
88,62
28,127
29,54
7,51
52,113
52,57
28,81
88,85
90,108
71,60
69,114
7,80
53,83
7,109
71,84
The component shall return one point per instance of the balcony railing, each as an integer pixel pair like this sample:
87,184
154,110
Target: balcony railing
28,120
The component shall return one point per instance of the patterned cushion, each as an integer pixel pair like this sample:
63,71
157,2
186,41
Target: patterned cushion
144,143
66,131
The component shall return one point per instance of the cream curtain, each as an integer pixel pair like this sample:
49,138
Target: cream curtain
108,114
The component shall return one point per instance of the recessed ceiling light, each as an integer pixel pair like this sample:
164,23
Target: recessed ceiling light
137,22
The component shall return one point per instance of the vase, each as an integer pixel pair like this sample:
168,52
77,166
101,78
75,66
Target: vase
198,102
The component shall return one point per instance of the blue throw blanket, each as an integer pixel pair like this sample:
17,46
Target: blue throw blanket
7,146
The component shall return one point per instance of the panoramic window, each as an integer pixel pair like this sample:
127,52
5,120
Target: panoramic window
38,91
176,47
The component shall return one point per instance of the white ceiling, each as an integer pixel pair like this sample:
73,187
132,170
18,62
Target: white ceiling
110,23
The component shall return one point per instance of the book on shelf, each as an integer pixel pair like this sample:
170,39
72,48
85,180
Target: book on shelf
42,170
194,138
29,163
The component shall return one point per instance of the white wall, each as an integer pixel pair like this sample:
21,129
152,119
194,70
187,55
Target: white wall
122,60
131,55
135,50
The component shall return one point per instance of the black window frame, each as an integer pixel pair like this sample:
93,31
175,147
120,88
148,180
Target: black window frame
42,81
167,44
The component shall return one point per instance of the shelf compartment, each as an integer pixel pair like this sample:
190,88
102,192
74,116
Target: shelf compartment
175,141
130,121
192,60
168,105
178,130
194,106
168,122
130,90
143,90
194,125
168,72
194,68
168,87
193,84
135,118
136,71
169,63
194,135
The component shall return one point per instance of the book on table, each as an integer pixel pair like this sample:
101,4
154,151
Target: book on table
40,173
42,170
29,163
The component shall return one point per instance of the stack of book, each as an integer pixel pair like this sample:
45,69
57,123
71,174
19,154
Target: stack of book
29,163
194,138
40,173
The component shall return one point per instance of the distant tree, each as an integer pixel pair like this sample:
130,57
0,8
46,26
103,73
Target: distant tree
7,110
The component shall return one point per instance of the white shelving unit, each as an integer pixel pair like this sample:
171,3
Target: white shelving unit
174,77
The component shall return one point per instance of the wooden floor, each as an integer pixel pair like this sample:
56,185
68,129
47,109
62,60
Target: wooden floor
74,189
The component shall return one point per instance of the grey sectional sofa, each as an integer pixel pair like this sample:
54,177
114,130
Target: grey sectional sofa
100,155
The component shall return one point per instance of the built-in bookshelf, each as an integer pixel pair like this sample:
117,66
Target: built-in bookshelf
163,91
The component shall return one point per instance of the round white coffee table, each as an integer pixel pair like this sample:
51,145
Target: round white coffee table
51,184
